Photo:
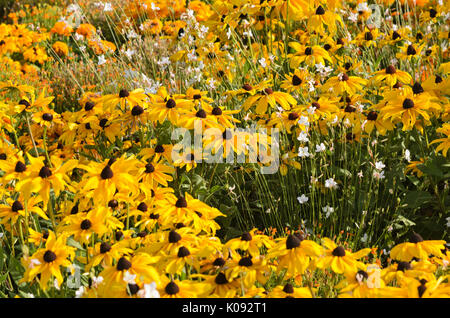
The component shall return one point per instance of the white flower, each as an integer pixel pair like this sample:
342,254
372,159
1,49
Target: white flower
211,84
302,199
360,174
129,278
407,155
311,110
378,175
353,17
101,60
330,183
129,53
303,152
448,221
163,62
149,291
79,37
33,263
364,238
303,121
263,63
379,165
154,7
191,55
320,148
107,7
327,210
363,7
96,281
79,292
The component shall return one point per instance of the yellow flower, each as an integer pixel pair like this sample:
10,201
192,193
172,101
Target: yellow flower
417,248
340,260
48,260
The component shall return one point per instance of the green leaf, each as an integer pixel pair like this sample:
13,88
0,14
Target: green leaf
415,199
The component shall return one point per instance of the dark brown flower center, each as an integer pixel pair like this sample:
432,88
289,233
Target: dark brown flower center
372,115
86,224
390,69
363,274
201,113
433,13
296,80
219,261
183,252
247,87
123,264
416,238
246,237
137,110
113,203
344,77
124,93
105,247
308,51
45,172
408,103
24,103
320,10
49,256
142,207
293,116
3,156
174,237
171,103
16,206
411,50
395,35
221,279
292,241
181,203
47,117
149,168
339,251
197,96
368,36
133,289
88,106
245,261
402,266
417,88
159,149
217,111
172,288
288,289
107,173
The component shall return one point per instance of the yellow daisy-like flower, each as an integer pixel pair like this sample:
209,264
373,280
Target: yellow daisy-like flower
444,143
48,260
340,260
390,75
294,254
343,83
417,248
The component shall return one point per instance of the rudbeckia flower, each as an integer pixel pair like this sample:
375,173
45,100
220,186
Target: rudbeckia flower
125,99
289,291
250,242
48,260
311,55
444,143
417,248
340,260
391,76
140,264
342,83
294,253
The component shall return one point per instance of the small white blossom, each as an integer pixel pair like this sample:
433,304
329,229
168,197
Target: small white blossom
79,293
263,63
379,165
320,148
327,210
107,7
302,199
101,60
303,152
129,278
330,183
407,155
149,291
